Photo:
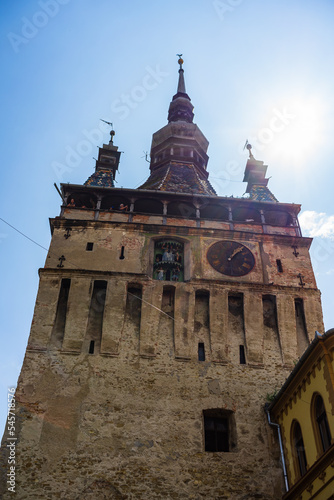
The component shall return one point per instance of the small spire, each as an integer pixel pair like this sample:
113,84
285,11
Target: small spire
112,132
249,147
180,108
181,85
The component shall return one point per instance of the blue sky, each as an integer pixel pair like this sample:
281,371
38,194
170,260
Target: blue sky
68,63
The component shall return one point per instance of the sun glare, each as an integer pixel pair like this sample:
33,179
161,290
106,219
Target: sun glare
294,132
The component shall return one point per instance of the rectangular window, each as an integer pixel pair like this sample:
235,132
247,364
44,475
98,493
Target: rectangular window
302,337
219,430
216,433
91,347
242,355
89,246
279,265
201,352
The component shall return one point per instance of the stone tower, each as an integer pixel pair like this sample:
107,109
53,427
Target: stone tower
164,317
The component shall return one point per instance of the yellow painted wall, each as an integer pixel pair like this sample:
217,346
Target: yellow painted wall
314,376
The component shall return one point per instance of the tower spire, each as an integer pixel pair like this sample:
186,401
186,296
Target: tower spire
179,150
180,108
181,88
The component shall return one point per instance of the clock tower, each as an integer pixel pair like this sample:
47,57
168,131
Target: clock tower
165,315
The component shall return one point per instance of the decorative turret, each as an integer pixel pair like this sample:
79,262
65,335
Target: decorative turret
106,164
178,152
255,173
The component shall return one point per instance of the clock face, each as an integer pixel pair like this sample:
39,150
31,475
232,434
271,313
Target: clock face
230,258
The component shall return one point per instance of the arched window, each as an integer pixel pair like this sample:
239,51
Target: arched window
81,200
168,260
181,209
322,429
243,214
213,211
278,218
298,449
114,203
149,206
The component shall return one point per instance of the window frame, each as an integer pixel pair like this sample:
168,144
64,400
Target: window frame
317,428
298,450
222,438
169,267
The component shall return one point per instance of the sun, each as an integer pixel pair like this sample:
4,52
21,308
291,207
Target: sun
294,131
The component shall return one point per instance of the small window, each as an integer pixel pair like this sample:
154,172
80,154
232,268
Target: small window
219,430
122,253
242,355
216,433
201,352
279,265
89,247
91,347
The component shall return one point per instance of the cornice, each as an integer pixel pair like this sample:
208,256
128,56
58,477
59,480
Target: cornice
237,286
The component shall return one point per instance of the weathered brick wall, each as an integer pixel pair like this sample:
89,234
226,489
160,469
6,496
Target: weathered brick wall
134,426
127,422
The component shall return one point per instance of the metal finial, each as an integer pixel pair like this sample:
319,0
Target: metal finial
180,61
112,132
249,147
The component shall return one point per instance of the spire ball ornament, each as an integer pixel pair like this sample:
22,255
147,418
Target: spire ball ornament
249,147
180,60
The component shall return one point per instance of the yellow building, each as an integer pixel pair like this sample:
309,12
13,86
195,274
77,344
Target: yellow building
304,412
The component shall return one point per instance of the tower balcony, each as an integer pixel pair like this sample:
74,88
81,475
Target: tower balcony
175,209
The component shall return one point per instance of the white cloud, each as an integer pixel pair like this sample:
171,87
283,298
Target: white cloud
317,224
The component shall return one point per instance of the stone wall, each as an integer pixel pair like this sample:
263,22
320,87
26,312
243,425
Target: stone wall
133,426
126,421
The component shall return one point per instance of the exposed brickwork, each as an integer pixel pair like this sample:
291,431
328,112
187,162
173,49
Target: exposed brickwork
128,420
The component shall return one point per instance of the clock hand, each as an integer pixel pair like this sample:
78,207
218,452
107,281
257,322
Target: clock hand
237,250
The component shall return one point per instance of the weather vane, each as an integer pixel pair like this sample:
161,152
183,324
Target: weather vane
112,132
180,61
108,123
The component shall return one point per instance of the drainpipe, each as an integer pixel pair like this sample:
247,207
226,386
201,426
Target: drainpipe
281,448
